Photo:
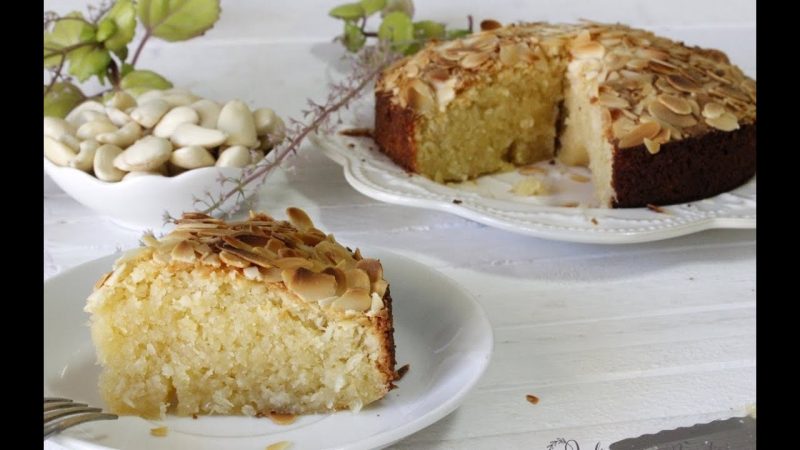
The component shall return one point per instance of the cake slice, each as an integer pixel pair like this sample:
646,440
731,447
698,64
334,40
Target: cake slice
242,318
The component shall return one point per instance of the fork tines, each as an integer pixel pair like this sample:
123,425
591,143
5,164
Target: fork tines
62,413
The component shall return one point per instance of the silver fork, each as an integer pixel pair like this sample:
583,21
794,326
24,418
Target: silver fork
62,413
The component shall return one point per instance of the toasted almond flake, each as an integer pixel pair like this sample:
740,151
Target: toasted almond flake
292,262
372,267
299,218
712,110
102,280
355,299
251,257
638,134
637,64
233,260
612,101
588,50
474,59
379,287
357,278
420,96
411,70
183,252
676,104
308,285
486,43
652,146
661,112
622,126
725,122
509,54
683,83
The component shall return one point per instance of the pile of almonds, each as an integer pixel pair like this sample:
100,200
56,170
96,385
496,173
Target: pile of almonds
159,133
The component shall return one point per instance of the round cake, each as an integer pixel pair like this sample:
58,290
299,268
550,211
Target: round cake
656,121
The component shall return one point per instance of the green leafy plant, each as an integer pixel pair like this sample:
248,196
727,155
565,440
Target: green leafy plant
78,47
397,26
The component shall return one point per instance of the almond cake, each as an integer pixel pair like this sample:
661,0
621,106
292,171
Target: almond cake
243,318
656,121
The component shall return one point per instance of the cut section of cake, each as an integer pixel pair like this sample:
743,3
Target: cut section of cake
656,121
243,318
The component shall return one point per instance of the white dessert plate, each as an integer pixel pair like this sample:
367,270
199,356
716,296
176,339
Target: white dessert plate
567,214
440,330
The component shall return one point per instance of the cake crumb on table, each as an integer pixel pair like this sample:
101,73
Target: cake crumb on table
532,399
282,419
282,445
159,432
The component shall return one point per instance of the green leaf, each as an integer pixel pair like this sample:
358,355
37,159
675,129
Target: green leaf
123,17
87,61
178,20
404,6
354,38
372,6
348,11
125,69
122,53
140,81
428,29
63,96
457,33
397,29
66,33
105,30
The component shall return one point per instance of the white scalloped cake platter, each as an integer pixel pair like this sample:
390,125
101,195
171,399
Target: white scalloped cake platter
566,214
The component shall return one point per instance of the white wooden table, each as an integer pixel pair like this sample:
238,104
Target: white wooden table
616,341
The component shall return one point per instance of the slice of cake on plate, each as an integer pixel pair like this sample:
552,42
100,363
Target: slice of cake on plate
247,317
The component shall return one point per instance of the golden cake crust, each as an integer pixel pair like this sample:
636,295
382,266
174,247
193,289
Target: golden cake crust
658,96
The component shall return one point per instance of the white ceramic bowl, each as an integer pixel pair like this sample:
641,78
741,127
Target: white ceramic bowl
140,203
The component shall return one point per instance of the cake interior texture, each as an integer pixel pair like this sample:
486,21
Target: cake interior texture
505,120
197,339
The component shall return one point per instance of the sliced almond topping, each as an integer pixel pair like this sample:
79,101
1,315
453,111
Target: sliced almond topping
683,83
379,287
373,268
712,110
474,59
637,64
308,285
356,299
638,134
612,101
725,122
292,262
661,112
280,445
341,278
212,260
233,260
252,273
676,104
588,50
622,126
299,218
183,252
652,146
420,96
357,278
249,256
